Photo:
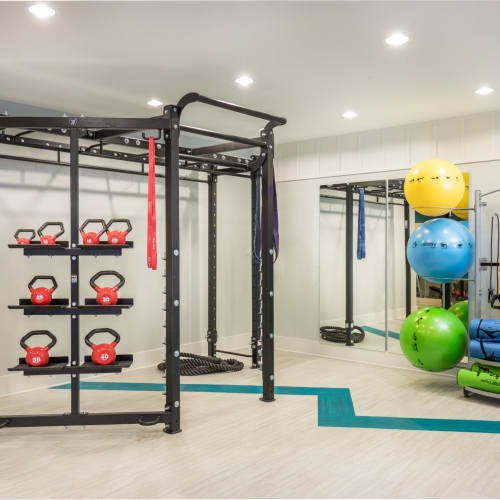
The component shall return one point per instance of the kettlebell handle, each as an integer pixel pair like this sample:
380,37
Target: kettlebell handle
96,276
101,330
33,333
43,226
36,278
124,221
19,231
96,221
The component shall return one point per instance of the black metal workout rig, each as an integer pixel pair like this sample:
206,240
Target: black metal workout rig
107,138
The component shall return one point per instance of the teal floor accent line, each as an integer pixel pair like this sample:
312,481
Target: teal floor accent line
381,333
335,406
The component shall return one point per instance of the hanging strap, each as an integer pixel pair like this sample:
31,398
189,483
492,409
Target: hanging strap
152,251
257,242
361,253
276,231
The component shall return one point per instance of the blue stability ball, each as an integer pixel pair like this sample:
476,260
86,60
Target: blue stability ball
441,250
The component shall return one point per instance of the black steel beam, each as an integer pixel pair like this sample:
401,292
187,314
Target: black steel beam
215,161
195,97
226,137
407,264
172,274
104,169
212,266
267,272
142,418
349,316
219,148
117,124
255,341
75,299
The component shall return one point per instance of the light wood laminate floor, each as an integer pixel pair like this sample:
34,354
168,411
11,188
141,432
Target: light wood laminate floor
235,446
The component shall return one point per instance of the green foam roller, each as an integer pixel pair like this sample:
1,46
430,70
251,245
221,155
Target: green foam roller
482,380
494,370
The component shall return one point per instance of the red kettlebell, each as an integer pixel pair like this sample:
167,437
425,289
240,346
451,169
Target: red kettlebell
50,239
24,241
118,237
103,354
41,296
38,356
107,296
91,238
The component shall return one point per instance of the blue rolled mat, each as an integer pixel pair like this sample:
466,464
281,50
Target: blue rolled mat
485,349
487,329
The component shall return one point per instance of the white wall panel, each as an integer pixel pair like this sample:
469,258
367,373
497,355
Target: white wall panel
349,157
496,134
471,138
329,157
286,162
308,162
422,142
370,151
449,135
478,137
396,148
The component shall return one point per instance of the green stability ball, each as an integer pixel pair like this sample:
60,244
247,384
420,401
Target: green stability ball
461,311
433,339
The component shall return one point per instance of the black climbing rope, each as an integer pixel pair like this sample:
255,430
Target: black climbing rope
193,364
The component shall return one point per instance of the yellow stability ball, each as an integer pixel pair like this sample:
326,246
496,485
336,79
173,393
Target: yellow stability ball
434,183
464,202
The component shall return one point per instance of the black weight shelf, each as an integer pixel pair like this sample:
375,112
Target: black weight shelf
58,365
103,248
60,307
56,307
62,249
122,361
38,245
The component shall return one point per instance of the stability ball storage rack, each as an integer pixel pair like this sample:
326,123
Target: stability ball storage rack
118,139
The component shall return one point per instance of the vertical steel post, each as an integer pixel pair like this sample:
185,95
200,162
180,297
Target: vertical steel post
256,271
446,295
386,266
349,237
477,255
212,265
172,256
75,299
407,264
267,269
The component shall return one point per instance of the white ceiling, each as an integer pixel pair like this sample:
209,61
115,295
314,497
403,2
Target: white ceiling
310,61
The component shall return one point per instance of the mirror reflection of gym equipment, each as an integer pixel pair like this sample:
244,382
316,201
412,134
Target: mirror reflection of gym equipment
364,299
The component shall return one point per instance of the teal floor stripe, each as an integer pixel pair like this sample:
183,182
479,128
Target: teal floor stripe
335,406
381,333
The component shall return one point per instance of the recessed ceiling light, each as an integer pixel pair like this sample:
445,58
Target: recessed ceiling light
155,103
396,39
244,81
349,115
41,10
484,91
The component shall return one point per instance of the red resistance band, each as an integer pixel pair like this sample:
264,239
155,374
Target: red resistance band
152,253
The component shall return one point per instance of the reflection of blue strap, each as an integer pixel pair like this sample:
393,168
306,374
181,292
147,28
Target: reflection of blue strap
361,225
